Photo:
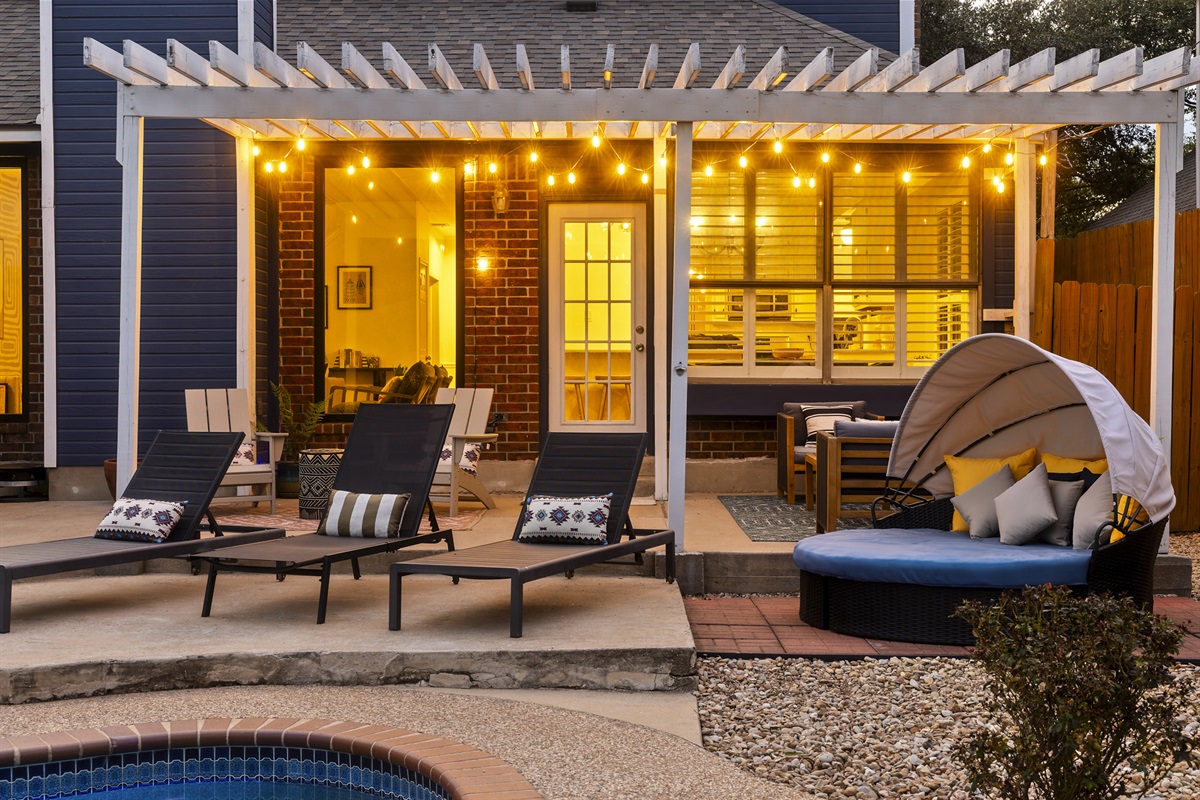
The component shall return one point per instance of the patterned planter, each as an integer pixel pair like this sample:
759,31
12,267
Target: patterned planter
318,468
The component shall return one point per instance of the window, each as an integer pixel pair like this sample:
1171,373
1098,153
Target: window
850,272
12,288
390,280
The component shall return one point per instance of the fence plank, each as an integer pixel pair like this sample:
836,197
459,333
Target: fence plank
1043,294
1181,385
1068,344
1143,321
1089,310
1188,495
1126,365
1106,331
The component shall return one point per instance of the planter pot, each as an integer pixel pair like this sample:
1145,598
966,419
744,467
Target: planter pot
110,475
287,479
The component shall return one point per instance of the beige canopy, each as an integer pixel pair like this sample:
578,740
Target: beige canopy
996,395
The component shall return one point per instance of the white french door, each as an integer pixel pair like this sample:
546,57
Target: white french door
597,317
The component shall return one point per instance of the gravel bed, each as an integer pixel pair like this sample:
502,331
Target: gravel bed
1188,544
872,728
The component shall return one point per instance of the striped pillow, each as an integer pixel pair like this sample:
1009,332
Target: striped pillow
370,516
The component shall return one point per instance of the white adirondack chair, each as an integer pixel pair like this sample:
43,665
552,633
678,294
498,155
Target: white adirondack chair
229,410
472,408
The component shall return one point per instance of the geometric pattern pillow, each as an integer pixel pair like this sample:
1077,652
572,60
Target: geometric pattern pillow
246,454
140,520
369,516
566,520
470,457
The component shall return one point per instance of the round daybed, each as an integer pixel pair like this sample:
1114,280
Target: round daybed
990,396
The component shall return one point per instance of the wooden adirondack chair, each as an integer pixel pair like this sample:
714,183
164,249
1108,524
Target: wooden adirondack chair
229,410
472,408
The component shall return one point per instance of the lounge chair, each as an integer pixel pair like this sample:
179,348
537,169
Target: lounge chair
570,465
179,466
393,449
229,410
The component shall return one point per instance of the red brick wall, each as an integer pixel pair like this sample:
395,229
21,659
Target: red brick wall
25,441
730,437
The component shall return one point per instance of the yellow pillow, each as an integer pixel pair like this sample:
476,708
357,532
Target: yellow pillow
1061,464
1128,507
966,472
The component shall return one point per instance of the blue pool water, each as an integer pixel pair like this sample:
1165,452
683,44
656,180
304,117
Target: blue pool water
219,773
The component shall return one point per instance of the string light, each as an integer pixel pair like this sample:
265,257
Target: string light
492,167
708,170
778,146
595,140
966,162
987,148
571,177
857,168
354,218
434,176
742,162
1043,160
371,184
662,161
301,144
255,150
621,168
283,166
812,182
533,157
1000,187
825,157
1008,159
645,177
269,166
796,181
399,240
349,169
550,180
366,162
906,177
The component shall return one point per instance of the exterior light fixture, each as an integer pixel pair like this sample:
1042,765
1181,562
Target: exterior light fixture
469,168
1000,187
500,197
492,167
987,148
812,182
483,263
1043,160
662,161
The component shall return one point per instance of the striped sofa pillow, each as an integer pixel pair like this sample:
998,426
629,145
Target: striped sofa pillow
370,516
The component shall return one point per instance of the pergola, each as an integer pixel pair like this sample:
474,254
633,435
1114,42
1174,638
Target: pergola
256,95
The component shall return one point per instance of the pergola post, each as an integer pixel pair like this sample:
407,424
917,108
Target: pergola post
661,304
1162,312
129,364
244,364
1025,236
679,330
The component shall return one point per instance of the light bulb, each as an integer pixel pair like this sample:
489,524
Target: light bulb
1043,160
370,184
434,176
550,180
533,157
742,162
778,146
987,148
812,182
760,221
366,162
354,218
995,180
269,166
301,144
469,168
255,150
825,158
399,240
482,263
1008,159
857,168
966,162
621,169
492,167
796,181
570,177
906,177
595,140
645,177
283,166
662,161
708,171
350,169
1000,187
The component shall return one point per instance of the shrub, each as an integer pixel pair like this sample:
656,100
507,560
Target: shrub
1079,687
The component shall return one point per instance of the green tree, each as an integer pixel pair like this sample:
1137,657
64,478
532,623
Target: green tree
1098,168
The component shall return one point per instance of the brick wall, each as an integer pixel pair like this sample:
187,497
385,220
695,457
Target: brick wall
730,437
25,441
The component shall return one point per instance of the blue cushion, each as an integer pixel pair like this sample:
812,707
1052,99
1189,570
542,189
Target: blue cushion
866,428
938,558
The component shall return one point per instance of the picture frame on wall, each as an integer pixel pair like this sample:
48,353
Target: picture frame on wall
354,287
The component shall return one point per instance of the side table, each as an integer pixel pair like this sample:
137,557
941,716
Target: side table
318,468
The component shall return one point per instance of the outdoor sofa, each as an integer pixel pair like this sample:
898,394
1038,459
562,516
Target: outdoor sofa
992,396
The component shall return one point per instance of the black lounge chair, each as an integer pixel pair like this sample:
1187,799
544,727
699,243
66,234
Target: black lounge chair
570,465
392,448
179,466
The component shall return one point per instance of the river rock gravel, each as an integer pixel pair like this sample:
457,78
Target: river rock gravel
871,728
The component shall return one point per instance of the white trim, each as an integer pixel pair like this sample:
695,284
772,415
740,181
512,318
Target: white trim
1024,236
1163,301
31,134
245,24
678,365
49,248
129,363
245,270
661,304
908,25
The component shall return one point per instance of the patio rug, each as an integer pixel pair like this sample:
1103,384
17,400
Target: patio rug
288,517
767,518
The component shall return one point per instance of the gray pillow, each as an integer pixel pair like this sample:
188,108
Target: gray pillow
1095,508
1066,496
978,505
1026,509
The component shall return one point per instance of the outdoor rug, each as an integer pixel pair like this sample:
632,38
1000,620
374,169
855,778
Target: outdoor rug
287,516
767,518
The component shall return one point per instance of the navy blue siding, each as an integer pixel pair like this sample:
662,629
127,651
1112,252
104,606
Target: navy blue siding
189,263
874,21
264,22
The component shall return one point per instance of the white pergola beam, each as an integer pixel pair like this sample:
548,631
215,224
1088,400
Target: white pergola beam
440,68
1075,70
1118,69
233,127
895,75
395,65
815,73
610,56
1024,236
733,70
268,63
524,70
191,64
104,59
689,71
680,296
1162,305
649,69
130,327
1162,71
310,62
863,69
947,68
358,67
151,65
1037,67
483,69
986,72
773,72
235,68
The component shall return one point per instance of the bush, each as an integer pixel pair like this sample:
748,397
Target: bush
1079,687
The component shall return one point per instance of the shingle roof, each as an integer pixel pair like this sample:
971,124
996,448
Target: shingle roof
1140,204
543,25
19,86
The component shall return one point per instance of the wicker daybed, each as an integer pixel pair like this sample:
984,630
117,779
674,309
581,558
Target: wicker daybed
990,396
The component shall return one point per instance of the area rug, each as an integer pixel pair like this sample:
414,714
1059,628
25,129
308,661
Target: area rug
766,518
287,516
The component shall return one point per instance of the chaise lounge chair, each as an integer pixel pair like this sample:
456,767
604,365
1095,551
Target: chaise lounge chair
571,465
179,466
392,449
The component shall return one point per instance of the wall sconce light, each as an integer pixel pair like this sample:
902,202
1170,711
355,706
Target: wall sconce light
500,197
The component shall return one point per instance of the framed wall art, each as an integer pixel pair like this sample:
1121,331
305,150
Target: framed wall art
354,287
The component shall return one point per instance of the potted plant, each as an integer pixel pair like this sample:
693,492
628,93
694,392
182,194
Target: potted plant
299,429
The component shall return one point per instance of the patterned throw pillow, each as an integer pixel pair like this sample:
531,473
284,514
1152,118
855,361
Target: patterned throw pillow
246,454
566,520
369,516
823,418
470,457
140,520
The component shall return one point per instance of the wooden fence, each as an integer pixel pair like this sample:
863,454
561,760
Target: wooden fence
1107,326
1125,253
